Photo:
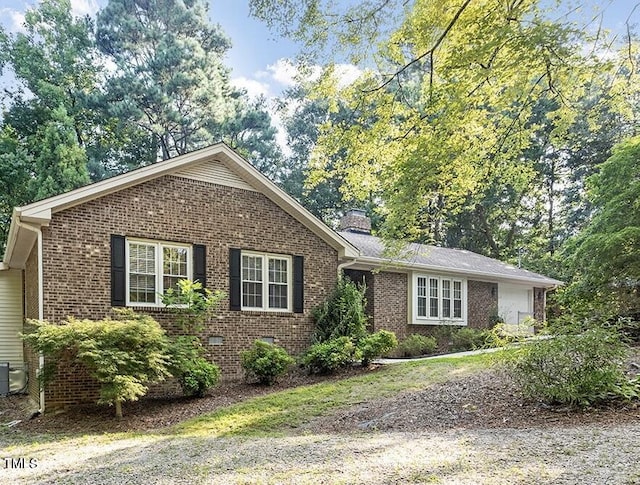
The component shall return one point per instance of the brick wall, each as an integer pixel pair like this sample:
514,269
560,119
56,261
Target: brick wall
386,300
31,308
482,303
77,262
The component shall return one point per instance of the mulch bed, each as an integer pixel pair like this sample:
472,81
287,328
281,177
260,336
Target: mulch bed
488,399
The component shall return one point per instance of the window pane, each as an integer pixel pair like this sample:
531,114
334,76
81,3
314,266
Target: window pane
278,296
277,270
422,306
251,294
446,308
457,309
251,268
142,288
446,289
433,297
142,273
457,299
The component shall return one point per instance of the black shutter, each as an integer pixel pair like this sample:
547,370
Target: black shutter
200,264
234,280
298,284
118,271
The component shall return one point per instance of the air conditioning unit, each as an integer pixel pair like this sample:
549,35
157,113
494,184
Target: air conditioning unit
4,378
13,378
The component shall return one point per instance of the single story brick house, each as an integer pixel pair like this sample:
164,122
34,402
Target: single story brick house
210,215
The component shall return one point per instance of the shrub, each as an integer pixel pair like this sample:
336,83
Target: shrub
467,338
198,376
195,374
342,314
122,355
377,344
192,304
415,345
578,369
265,362
329,356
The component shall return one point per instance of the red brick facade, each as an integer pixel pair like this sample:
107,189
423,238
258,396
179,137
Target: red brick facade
388,297
76,248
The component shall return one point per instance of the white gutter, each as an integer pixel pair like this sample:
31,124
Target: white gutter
341,266
38,232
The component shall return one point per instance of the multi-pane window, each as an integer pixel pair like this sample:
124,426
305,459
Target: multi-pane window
422,296
433,298
252,281
438,298
266,289
153,268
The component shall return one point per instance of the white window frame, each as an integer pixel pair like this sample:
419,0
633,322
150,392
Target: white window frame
265,282
426,295
159,246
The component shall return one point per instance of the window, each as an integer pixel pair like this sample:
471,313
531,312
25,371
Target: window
153,268
439,299
266,281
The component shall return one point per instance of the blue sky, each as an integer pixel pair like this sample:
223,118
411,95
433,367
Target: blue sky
257,56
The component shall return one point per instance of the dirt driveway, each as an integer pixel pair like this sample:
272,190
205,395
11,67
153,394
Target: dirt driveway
579,455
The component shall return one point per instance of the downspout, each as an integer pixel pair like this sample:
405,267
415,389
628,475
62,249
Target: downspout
38,232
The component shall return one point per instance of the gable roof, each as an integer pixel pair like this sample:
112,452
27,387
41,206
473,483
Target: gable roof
458,261
234,171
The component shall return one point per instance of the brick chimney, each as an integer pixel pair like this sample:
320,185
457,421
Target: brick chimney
355,220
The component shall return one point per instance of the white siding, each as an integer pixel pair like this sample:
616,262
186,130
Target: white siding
514,301
11,316
214,172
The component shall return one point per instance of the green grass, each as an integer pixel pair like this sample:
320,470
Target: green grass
278,413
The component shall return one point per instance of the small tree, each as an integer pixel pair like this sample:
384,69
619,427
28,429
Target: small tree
342,314
122,355
192,304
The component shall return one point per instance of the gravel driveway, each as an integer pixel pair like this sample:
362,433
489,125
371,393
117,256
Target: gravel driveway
578,455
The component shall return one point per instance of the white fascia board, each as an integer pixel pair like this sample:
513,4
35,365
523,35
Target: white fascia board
381,264
78,196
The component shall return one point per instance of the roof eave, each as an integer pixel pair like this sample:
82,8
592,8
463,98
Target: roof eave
380,263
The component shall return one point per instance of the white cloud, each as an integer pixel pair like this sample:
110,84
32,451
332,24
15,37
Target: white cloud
12,20
283,71
253,87
80,8
347,74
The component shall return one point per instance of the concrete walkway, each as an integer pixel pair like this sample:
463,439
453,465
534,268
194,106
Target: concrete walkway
439,356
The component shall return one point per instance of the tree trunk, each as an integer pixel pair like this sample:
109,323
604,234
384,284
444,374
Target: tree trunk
118,409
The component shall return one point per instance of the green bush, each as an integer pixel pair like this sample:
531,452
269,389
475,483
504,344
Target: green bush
265,362
122,355
377,344
195,374
329,356
198,376
415,345
577,369
467,338
342,314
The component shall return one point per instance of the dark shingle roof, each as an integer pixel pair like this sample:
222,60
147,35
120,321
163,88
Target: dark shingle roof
445,259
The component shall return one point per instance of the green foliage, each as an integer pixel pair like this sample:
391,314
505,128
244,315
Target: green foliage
265,362
605,257
330,355
376,344
467,338
122,355
416,345
195,374
580,369
192,304
342,314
